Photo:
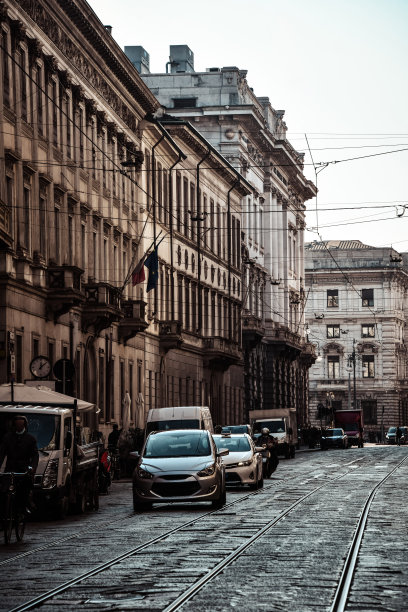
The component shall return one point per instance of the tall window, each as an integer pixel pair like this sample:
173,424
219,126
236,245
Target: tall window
178,199
23,89
368,366
6,71
40,114
367,297
333,366
333,331
212,225
368,330
57,233
332,298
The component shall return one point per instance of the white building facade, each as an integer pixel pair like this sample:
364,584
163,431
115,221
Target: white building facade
357,318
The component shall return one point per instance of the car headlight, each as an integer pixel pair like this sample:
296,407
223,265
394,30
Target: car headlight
142,473
241,463
208,471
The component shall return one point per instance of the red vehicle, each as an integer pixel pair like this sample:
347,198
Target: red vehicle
352,423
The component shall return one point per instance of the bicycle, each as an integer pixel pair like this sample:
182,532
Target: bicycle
12,514
115,463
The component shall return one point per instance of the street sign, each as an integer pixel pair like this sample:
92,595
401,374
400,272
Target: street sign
64,369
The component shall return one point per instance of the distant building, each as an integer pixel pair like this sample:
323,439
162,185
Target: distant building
357,317
251,135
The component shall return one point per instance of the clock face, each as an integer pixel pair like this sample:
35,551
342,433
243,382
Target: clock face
40,367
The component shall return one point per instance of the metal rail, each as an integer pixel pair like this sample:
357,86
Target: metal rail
100,568
346,578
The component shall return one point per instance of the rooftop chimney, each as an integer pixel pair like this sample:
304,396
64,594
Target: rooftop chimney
181,59
139,58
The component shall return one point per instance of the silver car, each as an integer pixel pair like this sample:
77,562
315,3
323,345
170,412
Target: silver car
243,465
177,466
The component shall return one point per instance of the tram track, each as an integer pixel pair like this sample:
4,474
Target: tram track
229,559
342,592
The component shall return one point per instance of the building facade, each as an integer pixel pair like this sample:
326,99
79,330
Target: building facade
357,318
251,135
90,181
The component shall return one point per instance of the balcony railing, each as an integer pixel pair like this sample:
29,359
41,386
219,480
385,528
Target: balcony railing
64,290
170,335
221,353
134,320
253,330
102,306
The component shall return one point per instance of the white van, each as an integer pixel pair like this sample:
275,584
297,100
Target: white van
179,417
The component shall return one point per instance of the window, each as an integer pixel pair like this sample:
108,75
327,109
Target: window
332,298
368,331
333,331
367,297
368,366
369,411
333,366
184,102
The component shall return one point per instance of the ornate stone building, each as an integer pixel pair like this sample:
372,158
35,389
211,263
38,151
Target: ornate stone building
88,180
251,135
357,318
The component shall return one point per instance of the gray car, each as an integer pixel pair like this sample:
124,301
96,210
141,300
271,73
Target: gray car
178,466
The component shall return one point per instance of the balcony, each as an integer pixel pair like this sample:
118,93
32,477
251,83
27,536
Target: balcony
63,290
170,335
134,320
285,343
221,353
337,383
252,331
101,307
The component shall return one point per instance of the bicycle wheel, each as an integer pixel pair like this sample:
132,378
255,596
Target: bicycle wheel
19,525
8,519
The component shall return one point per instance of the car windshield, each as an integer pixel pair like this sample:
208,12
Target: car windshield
392,430
234,445
172,424
44,428
235,429
333,432
178,444
273,426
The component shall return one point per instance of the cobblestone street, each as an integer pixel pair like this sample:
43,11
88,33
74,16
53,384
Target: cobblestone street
280,548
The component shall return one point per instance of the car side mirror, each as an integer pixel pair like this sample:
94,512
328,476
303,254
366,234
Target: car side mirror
223,452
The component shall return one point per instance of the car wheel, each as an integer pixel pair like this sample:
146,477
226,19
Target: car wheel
221,501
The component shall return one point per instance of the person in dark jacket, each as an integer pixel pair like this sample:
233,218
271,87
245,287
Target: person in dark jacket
113,437
20,449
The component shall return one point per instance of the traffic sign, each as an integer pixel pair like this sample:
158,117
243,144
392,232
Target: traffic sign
64,369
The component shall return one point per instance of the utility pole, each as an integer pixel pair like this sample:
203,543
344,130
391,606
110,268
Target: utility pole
354,375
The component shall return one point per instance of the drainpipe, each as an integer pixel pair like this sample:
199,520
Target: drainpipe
180,157
229,250
199,218
154,205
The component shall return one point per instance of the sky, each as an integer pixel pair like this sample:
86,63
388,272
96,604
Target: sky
337,68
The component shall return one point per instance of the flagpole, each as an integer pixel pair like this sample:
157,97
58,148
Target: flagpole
132,263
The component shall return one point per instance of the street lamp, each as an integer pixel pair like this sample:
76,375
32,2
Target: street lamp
352,363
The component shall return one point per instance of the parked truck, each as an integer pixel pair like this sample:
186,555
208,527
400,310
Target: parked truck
352,423
67,473
282,425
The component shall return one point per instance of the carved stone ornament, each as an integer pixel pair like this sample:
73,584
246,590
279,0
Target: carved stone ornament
67,46
179,255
